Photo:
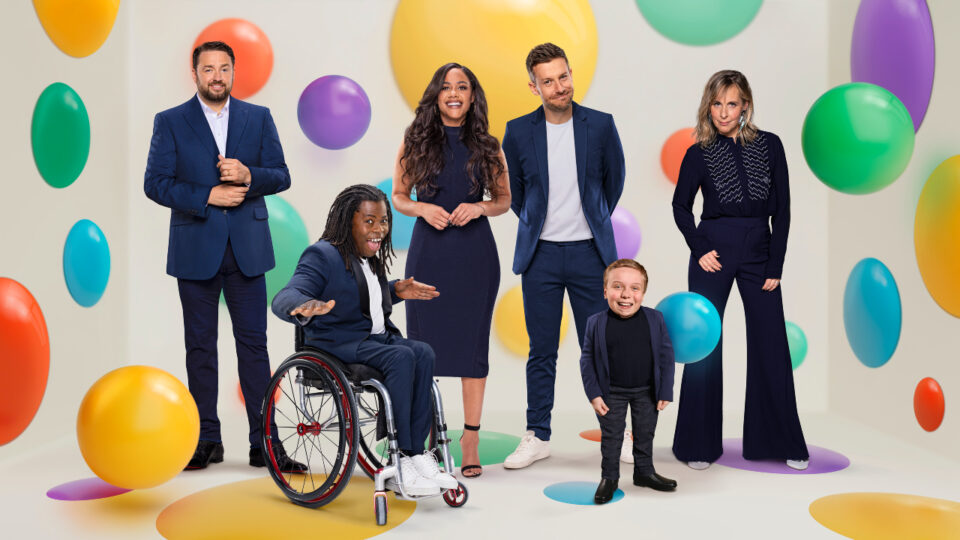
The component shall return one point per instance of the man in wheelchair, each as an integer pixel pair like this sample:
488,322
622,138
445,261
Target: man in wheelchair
340,296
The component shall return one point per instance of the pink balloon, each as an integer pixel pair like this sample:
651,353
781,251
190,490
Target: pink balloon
626,233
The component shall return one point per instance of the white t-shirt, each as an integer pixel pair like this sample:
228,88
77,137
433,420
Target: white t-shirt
376,298
565,221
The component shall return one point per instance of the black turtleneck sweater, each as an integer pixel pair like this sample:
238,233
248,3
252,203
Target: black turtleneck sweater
629,351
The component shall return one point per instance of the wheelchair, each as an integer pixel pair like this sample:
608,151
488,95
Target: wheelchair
333,417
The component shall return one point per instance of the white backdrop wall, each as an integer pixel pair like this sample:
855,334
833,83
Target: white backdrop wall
880,225
650,84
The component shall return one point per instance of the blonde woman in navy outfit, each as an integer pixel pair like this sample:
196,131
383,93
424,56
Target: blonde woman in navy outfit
742,173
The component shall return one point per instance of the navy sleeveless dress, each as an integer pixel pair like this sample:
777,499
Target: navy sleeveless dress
462,262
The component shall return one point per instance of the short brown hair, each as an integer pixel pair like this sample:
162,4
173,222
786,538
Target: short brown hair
543,53
626,263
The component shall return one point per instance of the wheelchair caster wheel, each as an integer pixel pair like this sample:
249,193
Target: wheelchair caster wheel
456,497
380,507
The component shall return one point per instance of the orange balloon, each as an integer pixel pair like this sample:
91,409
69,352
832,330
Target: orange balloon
252,49
24,358
673,151
928,404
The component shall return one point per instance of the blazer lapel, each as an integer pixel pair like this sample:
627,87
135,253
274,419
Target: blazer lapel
198,122
235,126
361,287
580,135
601,345
387,302
540,147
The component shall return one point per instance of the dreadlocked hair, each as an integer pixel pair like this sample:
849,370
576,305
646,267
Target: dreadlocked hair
339,228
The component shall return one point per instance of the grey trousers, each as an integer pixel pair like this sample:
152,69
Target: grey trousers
643,415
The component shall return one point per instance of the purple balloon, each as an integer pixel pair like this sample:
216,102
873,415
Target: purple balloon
626,233
893,47
334,112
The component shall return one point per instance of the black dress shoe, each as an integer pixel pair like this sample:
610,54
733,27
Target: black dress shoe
605,491
284,463
654,481
207,452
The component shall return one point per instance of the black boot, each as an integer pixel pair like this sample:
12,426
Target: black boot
207,452
654,481
605,491
284,463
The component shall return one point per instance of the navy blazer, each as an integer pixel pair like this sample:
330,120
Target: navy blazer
595,366
600,176
322,275
181,171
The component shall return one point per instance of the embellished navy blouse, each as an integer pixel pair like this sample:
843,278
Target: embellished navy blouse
736,180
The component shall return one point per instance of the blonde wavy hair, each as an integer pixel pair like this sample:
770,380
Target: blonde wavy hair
719,82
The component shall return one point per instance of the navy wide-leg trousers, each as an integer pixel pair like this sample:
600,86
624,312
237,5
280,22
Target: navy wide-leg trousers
771,426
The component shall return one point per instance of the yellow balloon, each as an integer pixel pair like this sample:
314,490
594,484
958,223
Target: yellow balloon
936,234
77,27
492,38
511,327
137,427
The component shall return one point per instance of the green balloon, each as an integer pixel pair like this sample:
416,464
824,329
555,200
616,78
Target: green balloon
60,135
290,238
699,22
797,342
858,138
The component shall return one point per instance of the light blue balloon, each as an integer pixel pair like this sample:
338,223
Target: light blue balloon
86,262
871,312
402,225
693,324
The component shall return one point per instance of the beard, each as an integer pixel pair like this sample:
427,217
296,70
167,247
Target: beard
553,106
208,95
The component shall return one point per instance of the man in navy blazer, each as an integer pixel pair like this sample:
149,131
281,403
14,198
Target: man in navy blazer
566,175
212,160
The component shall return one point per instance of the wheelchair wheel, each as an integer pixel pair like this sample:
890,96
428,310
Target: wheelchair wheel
314,412
456,497
380,507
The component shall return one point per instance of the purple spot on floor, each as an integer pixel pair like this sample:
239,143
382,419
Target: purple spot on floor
821,460
84,490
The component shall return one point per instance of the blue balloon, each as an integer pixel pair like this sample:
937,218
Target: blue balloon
86,262
402,225
871,312
693,324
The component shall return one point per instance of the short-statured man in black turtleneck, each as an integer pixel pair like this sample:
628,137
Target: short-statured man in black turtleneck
627,360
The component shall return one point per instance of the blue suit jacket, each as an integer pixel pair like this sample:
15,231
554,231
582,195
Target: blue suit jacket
181,171
595,365
322,275
600,175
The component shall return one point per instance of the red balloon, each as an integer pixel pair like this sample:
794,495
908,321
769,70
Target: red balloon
24,358
673,151
928,404
252,49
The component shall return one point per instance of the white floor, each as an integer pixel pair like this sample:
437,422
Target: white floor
717,503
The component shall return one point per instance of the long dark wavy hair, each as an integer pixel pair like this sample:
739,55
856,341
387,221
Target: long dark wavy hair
425,140
339,228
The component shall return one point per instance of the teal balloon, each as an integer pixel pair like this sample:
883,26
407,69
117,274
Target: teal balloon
86,262
402,229
797,341
858,138
289,235
60,135
693,324
871,312
699,22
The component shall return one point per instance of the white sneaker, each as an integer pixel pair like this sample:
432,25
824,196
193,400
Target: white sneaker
529,450
798,464
413,482
626,451
426,464
698,465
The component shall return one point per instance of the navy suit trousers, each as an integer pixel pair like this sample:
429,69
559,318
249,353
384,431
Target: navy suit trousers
246,299
771,426
574,267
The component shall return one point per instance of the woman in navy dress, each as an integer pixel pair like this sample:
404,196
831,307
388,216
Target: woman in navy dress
450,159
742,173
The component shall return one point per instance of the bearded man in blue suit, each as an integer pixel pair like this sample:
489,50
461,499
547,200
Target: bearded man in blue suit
212,160
566,175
